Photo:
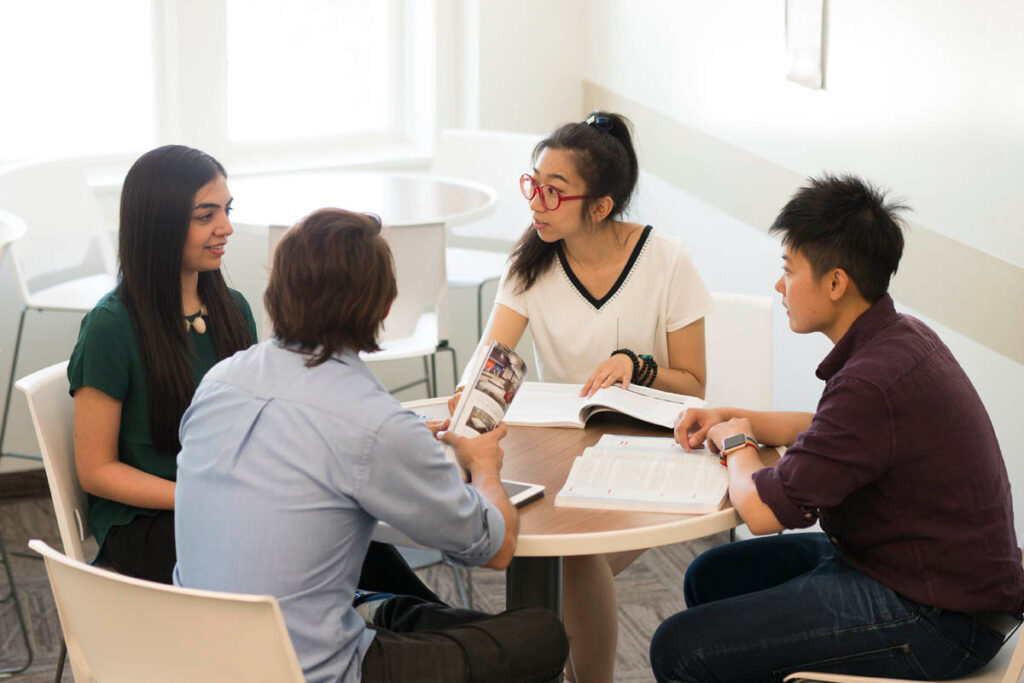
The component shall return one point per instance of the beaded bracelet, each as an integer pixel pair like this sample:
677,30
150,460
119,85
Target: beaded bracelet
650,369
633,357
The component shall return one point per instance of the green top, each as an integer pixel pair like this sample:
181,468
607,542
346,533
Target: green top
107,358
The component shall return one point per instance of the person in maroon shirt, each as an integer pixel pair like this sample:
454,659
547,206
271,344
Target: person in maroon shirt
918,574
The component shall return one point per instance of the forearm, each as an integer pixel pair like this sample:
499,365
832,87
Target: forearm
772,428
679,382
488,483
743,493
129,485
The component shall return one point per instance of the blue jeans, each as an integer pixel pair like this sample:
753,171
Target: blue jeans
761,609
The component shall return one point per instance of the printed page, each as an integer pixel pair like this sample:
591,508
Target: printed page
547,404
632,472
650,405
484,404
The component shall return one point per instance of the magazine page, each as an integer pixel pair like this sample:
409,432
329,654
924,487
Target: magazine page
546,404
483,405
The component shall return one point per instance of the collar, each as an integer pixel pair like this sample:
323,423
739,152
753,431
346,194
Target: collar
882,313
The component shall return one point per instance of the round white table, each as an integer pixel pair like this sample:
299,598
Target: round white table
281,200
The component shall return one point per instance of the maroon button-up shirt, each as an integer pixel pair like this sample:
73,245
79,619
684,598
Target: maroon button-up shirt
902,467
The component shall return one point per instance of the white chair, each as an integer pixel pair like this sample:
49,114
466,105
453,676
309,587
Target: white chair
1006,667
739,351
118,628
64,261
496,159
417,325
50,406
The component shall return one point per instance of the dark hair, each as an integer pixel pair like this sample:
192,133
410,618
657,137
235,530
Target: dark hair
156,211
602,149
332,284
845,222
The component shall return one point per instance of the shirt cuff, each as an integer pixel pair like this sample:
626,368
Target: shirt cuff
773,494
489,542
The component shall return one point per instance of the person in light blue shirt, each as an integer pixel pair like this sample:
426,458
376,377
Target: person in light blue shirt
291,453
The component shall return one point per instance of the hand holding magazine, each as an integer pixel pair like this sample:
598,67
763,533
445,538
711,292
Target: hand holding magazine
496,376
543,404
646,474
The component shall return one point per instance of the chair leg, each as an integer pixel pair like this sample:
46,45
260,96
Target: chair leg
13,596
426,378
464,598
433,375
10,390
455,362
60,661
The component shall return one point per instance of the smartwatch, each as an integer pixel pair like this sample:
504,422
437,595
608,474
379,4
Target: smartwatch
736,442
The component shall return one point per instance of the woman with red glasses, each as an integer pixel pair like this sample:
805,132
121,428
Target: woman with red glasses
608,301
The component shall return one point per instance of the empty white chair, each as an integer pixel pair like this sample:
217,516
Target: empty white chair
417,325
118,628
64,261
739,351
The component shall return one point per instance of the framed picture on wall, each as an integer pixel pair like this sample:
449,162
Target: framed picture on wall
805,42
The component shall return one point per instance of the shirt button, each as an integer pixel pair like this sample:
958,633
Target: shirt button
808,515
835,541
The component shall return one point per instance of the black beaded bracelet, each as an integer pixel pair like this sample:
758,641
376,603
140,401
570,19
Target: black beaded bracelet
633,357
650,369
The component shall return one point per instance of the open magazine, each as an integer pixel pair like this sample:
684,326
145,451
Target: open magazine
496,374
544,404
647,474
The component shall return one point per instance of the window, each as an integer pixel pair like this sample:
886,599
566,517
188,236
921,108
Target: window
73,84
268,81
310,68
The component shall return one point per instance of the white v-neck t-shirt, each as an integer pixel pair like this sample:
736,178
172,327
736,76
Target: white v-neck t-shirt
659,291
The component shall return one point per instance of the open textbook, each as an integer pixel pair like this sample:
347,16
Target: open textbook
543,404
496,374
646,474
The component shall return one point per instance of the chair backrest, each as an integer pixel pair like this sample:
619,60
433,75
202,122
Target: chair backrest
12,229
50,406
65,237
496,159
118,628
739,351
418,252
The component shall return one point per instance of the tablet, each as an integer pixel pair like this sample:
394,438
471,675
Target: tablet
521,493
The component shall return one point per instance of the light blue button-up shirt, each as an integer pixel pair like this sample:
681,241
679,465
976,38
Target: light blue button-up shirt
283,473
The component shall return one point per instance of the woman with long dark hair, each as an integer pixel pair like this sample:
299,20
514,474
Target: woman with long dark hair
608,301
142,351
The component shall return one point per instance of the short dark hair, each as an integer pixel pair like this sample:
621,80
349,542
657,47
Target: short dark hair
845,222
332,284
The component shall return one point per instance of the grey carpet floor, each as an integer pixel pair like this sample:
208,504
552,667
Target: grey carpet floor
649,591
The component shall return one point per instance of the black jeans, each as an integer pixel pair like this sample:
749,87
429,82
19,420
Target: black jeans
430,642
144,548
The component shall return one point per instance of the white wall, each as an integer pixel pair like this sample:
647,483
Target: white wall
920,96
531,57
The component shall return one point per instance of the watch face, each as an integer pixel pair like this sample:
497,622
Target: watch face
734,441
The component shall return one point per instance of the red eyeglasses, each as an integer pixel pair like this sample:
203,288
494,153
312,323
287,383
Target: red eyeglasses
550,197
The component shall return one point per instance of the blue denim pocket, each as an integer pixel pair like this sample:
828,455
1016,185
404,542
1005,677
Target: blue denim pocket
896,661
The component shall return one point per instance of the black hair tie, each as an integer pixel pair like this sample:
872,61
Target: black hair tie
600,122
